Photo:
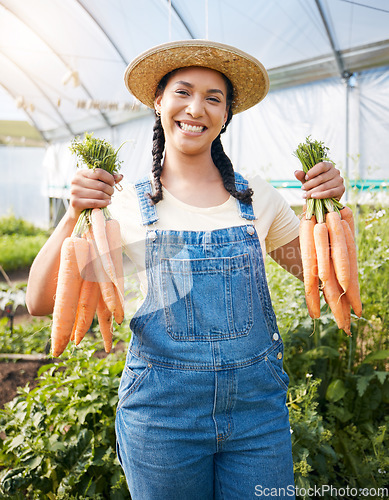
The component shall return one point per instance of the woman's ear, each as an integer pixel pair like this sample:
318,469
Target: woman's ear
157,105
226,114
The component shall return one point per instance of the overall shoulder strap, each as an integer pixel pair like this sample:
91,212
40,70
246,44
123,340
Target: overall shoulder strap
148,211
246,210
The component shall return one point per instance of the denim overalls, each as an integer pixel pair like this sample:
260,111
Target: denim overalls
201,412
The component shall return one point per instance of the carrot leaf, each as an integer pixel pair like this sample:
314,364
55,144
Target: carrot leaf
310,153
96,153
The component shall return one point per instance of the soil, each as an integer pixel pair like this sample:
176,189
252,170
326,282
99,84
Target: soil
17,374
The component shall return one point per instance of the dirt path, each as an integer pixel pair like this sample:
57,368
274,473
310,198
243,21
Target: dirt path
17,374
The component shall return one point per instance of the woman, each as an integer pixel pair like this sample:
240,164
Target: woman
201,410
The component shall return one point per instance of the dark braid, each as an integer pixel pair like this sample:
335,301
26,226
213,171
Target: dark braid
157,152
224,165
159,144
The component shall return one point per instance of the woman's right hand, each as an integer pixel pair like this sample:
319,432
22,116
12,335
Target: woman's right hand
91,189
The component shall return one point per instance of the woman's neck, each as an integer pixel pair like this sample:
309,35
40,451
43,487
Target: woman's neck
193,179
188,168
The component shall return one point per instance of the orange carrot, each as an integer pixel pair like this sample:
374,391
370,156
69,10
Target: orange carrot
346,310
87,304
309,261
102,245
322,246
114,239
347,215
106,286
338,246
346,313
68,291
73,335
333,295
104,317
352,292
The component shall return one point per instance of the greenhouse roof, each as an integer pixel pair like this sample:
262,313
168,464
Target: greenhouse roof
62,61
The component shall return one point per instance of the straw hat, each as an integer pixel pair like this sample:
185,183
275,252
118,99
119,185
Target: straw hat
249,78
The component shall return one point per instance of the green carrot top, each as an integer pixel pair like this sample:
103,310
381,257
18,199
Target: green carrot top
310,153
96,153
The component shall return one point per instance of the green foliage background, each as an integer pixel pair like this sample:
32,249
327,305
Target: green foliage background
57,440
20,241
339,386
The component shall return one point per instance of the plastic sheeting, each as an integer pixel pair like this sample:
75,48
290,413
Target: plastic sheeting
259,141
62,61
262,140
22,178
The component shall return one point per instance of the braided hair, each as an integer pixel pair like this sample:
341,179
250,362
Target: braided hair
157,152
226,169
219,157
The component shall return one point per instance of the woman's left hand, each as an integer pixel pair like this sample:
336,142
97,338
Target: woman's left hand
322,181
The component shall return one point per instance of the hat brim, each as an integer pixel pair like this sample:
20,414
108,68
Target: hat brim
247,75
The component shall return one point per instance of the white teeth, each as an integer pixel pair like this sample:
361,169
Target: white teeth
191,128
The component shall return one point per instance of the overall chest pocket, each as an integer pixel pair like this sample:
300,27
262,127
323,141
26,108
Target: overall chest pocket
207,299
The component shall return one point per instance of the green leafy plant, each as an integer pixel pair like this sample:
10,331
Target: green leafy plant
59,437
26,338
18,252
311,440
96,153
10,224
20,241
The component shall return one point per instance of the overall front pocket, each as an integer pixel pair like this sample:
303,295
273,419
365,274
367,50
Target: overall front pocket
207,299
134,373
274,362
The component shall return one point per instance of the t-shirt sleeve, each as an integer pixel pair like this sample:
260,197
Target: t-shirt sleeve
125,208
284,228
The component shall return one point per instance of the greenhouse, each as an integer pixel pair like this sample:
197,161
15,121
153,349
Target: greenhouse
62,74
325,344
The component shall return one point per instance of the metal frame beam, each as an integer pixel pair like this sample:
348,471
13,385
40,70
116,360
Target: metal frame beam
88,12
338,58
31,79
182,20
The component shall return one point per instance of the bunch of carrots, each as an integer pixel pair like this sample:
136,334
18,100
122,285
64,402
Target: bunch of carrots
90,277
328,249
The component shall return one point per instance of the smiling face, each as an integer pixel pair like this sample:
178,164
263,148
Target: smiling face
193,109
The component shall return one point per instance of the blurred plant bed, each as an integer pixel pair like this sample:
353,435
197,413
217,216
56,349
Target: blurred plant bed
20,241
12,300
58,439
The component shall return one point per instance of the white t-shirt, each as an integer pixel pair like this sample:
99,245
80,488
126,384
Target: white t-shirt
276,223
